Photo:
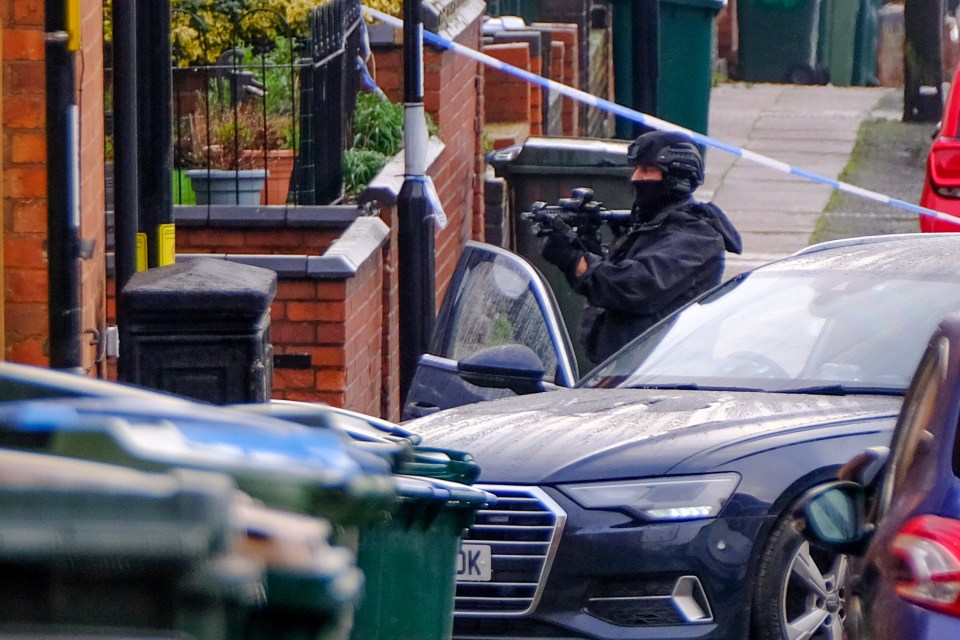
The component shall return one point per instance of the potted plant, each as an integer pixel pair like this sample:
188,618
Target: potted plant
234,150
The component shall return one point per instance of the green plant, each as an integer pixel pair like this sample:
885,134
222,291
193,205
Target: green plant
377,137
378,124
360,166
223,135
202,30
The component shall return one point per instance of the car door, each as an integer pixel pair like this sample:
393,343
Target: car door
918,501
495,298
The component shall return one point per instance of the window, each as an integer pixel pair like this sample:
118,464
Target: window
496,305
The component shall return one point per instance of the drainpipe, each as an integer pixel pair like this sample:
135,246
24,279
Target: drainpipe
154,131
922,60
415,222
125,156
62,40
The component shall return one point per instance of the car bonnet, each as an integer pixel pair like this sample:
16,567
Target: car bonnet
595,434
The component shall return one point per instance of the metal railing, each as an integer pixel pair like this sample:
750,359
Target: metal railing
269,107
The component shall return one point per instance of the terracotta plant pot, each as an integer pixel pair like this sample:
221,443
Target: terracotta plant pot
280,167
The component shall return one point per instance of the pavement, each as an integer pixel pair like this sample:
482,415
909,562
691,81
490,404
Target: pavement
815,128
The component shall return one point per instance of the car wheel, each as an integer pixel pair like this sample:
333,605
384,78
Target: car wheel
799,592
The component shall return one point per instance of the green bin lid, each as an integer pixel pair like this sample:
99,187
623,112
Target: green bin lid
284,464
562,155
713,5
444,464
451,494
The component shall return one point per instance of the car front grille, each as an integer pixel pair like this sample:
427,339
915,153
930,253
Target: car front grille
522,530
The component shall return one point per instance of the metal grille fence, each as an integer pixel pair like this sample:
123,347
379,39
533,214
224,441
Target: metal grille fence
273,106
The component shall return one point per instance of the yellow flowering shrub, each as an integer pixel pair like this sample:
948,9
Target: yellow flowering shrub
201,30
228,20
390,7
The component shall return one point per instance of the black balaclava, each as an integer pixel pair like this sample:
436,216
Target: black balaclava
649,197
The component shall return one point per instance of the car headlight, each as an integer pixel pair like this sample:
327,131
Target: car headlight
673,498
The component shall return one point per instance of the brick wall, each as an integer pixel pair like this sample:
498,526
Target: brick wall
345,324
24,184
24,180
451,97
514,96
568,36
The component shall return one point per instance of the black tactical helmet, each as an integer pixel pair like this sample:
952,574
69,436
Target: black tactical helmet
673,153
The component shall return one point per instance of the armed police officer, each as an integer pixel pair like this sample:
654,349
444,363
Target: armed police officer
671,250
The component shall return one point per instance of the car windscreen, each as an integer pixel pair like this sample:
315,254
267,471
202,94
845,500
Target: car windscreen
795,331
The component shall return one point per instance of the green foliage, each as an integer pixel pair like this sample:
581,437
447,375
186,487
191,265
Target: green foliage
377,137
201,30
360,166
378,124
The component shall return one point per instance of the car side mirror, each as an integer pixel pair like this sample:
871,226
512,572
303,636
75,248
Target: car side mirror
835,517
510,366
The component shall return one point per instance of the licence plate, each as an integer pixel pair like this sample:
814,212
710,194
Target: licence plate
473,563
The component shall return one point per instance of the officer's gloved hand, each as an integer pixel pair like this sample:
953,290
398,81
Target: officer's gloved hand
559,248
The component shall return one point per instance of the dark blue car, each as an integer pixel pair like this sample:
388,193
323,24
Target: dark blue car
653,497
902,526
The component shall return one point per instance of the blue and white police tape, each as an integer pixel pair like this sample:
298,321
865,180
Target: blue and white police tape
657,123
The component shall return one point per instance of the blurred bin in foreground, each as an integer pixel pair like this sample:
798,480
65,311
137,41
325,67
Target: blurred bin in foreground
410,560
285,465
405,530
311,586
99,547
112,551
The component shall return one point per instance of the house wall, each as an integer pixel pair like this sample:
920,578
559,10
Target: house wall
337,324
453,89
25,321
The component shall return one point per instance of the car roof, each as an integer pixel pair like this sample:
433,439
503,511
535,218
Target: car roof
928,253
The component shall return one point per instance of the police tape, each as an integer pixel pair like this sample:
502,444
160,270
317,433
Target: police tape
657,123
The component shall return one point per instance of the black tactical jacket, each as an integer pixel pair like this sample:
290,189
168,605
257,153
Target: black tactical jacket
651,270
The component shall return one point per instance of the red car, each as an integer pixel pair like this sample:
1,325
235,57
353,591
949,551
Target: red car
941,188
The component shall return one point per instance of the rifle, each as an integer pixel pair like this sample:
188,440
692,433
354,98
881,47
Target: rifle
581,214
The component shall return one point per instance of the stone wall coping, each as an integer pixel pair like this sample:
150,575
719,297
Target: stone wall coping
269,216
446,18
385,186
342,259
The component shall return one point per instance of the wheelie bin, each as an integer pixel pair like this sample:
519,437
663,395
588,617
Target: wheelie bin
411,561
778,41
547,169
416,550
865,50
837,40
687,42
111,551
289,466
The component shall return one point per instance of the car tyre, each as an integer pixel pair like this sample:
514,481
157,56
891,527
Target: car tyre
799,590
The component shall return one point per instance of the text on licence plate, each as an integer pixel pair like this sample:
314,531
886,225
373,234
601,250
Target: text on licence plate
473,563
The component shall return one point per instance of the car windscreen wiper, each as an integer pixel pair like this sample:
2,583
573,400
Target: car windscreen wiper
845,390
689,386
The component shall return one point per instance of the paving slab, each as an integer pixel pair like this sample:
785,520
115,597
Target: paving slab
813,128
